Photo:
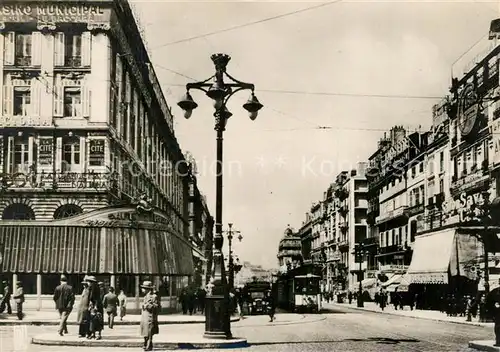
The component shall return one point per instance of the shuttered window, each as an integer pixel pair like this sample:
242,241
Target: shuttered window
71,100
72,49
23,49
9,48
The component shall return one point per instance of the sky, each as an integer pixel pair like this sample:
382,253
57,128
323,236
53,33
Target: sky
376,64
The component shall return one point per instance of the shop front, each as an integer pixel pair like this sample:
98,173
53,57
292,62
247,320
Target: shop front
444,262
121,246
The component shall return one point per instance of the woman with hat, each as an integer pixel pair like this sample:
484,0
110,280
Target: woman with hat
82,317
149,316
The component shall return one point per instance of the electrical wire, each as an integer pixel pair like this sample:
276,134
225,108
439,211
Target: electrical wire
248,24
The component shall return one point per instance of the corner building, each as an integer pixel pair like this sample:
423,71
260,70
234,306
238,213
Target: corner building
85,137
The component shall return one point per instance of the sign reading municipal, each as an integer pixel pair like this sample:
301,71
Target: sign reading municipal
52,13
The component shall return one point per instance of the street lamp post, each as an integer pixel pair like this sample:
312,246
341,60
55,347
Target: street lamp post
358,250
217,319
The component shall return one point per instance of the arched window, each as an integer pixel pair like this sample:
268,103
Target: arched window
18,211
67,211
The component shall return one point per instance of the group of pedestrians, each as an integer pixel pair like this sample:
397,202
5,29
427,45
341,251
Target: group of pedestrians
93,303
192,300
18,299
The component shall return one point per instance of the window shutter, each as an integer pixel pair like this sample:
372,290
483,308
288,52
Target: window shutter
9,48
86,48
36,55
35,98
8,92
85,101
58,101
59,49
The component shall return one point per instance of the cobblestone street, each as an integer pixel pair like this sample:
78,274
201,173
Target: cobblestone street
341,330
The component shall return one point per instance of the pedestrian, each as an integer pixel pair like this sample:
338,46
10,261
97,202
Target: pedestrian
349,297
468,308
95,323
191,300
183,300
110,303
270,306
149,316
5,303
201,300
19,299
64,299
100,302
122,298
83,311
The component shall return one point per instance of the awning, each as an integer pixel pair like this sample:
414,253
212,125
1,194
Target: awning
197,254
96,250
404,285
392,288
431,258
395,280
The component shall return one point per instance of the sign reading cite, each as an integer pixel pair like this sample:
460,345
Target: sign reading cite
54,13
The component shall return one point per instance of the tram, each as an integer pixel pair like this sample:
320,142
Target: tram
299,291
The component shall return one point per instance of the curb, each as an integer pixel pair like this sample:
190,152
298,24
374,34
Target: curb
232,343
481,346
423,318
117,323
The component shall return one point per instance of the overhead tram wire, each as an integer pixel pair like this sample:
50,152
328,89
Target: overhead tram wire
247,24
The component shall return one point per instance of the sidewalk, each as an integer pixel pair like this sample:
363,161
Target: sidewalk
51,318
175,336
419,314
486,345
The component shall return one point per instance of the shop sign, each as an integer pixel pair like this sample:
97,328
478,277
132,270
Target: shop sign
45,149
495,141
53,13
96,152
469,179
71,180
24,121
462,204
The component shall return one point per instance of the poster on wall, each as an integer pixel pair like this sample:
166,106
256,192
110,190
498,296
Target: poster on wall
96,152
45,149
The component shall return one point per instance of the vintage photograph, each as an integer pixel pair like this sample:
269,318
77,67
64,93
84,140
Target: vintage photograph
249,175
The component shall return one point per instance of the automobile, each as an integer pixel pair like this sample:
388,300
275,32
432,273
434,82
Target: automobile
257,303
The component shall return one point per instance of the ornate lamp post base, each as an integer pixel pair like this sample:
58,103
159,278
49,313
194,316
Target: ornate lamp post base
216,310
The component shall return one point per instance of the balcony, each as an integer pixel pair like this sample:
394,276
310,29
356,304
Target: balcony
22,61
391,249
393,214
73,61
72,181
414,210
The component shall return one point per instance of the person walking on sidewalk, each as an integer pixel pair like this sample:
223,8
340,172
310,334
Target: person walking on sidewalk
19,299
5,303
149,315
493,306
122,298
270,306
110,303
83,315
64,299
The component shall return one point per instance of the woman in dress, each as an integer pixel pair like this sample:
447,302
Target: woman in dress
149,316
122,299
82,317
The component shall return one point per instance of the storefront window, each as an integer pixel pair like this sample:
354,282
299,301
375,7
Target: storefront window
49,283
125,283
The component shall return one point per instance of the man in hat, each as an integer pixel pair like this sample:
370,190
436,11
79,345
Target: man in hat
149,315
64,299
19,299
5,303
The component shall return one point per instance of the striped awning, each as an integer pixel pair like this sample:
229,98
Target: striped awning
84,250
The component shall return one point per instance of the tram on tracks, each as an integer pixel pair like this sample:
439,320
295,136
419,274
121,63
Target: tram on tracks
299,292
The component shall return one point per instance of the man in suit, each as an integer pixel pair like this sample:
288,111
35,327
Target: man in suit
19,299
110,303
64,298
